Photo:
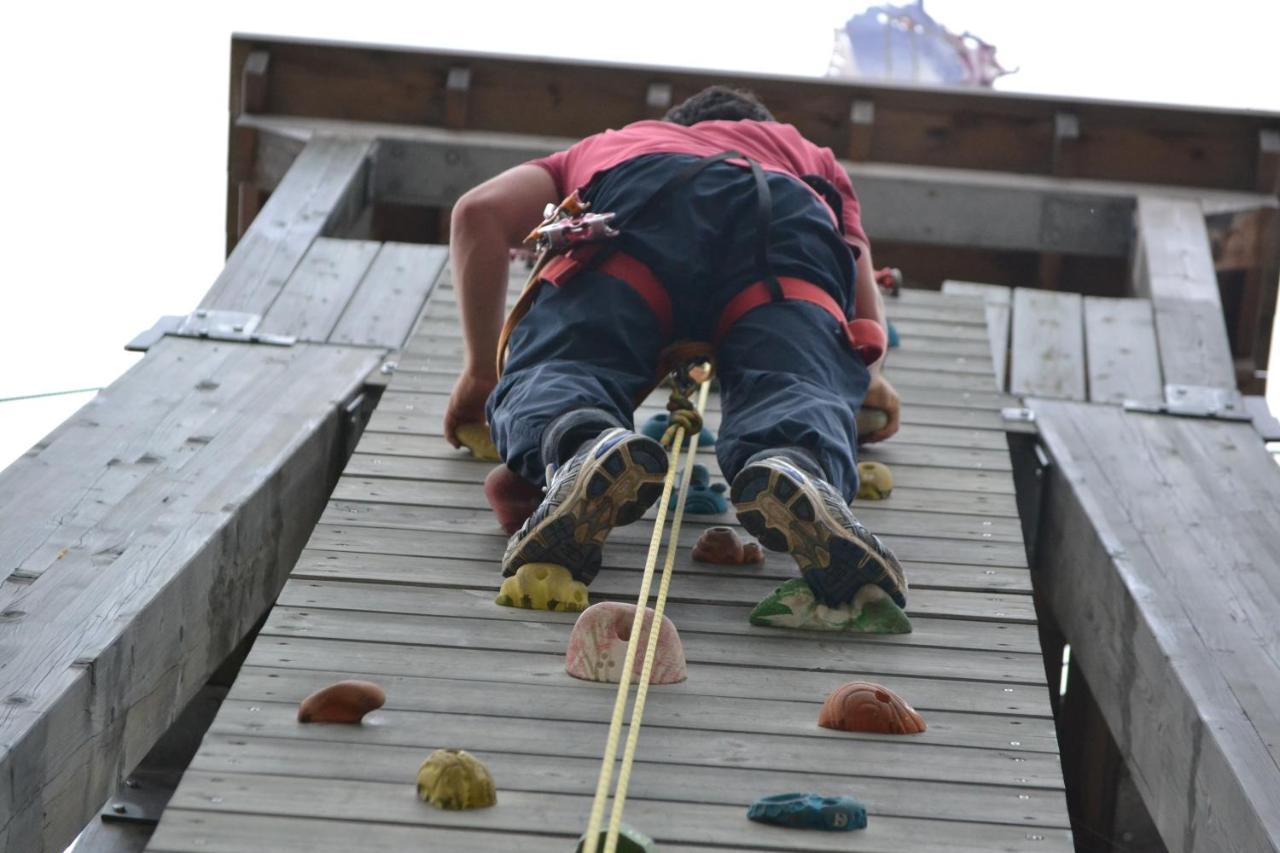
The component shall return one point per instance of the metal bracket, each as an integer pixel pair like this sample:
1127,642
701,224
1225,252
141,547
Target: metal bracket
231,326
1018,419
1196,401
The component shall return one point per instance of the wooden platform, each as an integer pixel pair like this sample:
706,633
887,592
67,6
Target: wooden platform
397,586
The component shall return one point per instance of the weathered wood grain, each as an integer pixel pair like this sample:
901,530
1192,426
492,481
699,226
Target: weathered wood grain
1173,266
1120,342
385,307
324,189
318,291
1047,353
1159,575
150,590
997,303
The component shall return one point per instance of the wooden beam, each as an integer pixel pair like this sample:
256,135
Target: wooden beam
324,189
1173,267
1170,623
1120,344
862,122
141,541
972,129
996,302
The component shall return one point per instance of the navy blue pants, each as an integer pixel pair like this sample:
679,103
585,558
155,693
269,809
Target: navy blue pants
587,349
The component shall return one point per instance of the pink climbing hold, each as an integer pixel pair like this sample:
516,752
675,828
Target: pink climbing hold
598,645
512,497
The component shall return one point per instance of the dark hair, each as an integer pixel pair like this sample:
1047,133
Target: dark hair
719,102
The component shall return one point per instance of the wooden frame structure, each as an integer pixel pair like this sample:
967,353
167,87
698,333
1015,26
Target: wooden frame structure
143,569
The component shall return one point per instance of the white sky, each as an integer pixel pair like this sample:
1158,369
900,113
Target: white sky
115,143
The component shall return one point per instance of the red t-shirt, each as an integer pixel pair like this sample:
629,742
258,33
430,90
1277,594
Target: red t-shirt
777,147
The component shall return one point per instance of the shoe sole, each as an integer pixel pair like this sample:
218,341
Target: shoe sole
612,491
789,516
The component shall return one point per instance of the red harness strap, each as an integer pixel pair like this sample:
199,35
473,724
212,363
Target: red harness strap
621,266
867,337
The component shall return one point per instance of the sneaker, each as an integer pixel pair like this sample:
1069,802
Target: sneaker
789,510
608,483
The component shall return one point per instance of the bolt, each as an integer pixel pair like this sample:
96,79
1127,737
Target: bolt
120,808
131,783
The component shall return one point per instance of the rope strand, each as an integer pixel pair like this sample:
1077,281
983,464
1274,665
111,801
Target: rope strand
603,783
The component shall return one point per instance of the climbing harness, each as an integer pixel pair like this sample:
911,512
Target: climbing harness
682,426
572,240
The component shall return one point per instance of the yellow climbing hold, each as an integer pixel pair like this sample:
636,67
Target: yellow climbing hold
476,438
543,586
455,779
875,483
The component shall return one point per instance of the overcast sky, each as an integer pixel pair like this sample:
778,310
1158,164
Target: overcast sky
115,143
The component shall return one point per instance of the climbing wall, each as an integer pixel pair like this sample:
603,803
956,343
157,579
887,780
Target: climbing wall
397,587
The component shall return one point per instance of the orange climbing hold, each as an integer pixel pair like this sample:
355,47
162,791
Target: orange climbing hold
344,702
864,706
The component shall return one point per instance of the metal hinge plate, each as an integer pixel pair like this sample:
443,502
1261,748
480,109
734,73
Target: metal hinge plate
231,326
1196,401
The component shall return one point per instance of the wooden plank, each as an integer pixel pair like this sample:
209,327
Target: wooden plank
318,291
323,190
997,303
892,519
526,666
1120,342
1173,266
441,586
691,783
551,814
1173,629
111,634
383,310
670,710
1047,357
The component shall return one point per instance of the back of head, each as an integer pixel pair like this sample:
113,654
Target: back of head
719,103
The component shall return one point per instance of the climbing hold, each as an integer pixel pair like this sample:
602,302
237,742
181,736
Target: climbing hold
543,586
864,706
476,438
512,497
792,605
657,425
598,645
455,779
722,546
875,481
894,338
704,498
344,702
870,421
630,840
810,811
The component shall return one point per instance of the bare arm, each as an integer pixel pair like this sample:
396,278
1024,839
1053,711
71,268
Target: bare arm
488,221
870,305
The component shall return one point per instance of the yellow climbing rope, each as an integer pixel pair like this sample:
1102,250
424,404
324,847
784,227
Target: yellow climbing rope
677,435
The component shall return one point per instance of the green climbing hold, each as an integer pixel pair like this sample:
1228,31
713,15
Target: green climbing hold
792,605
630,840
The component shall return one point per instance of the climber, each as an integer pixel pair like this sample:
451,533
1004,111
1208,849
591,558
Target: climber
734,230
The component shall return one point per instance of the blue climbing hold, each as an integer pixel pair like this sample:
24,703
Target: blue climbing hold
704,498
657,425
810,811
894,340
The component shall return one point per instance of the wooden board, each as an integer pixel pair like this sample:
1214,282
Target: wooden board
397,586
144,539
1161,578
997,302
1120,343
1047,353
1174,268
384,309
323,190
317,293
